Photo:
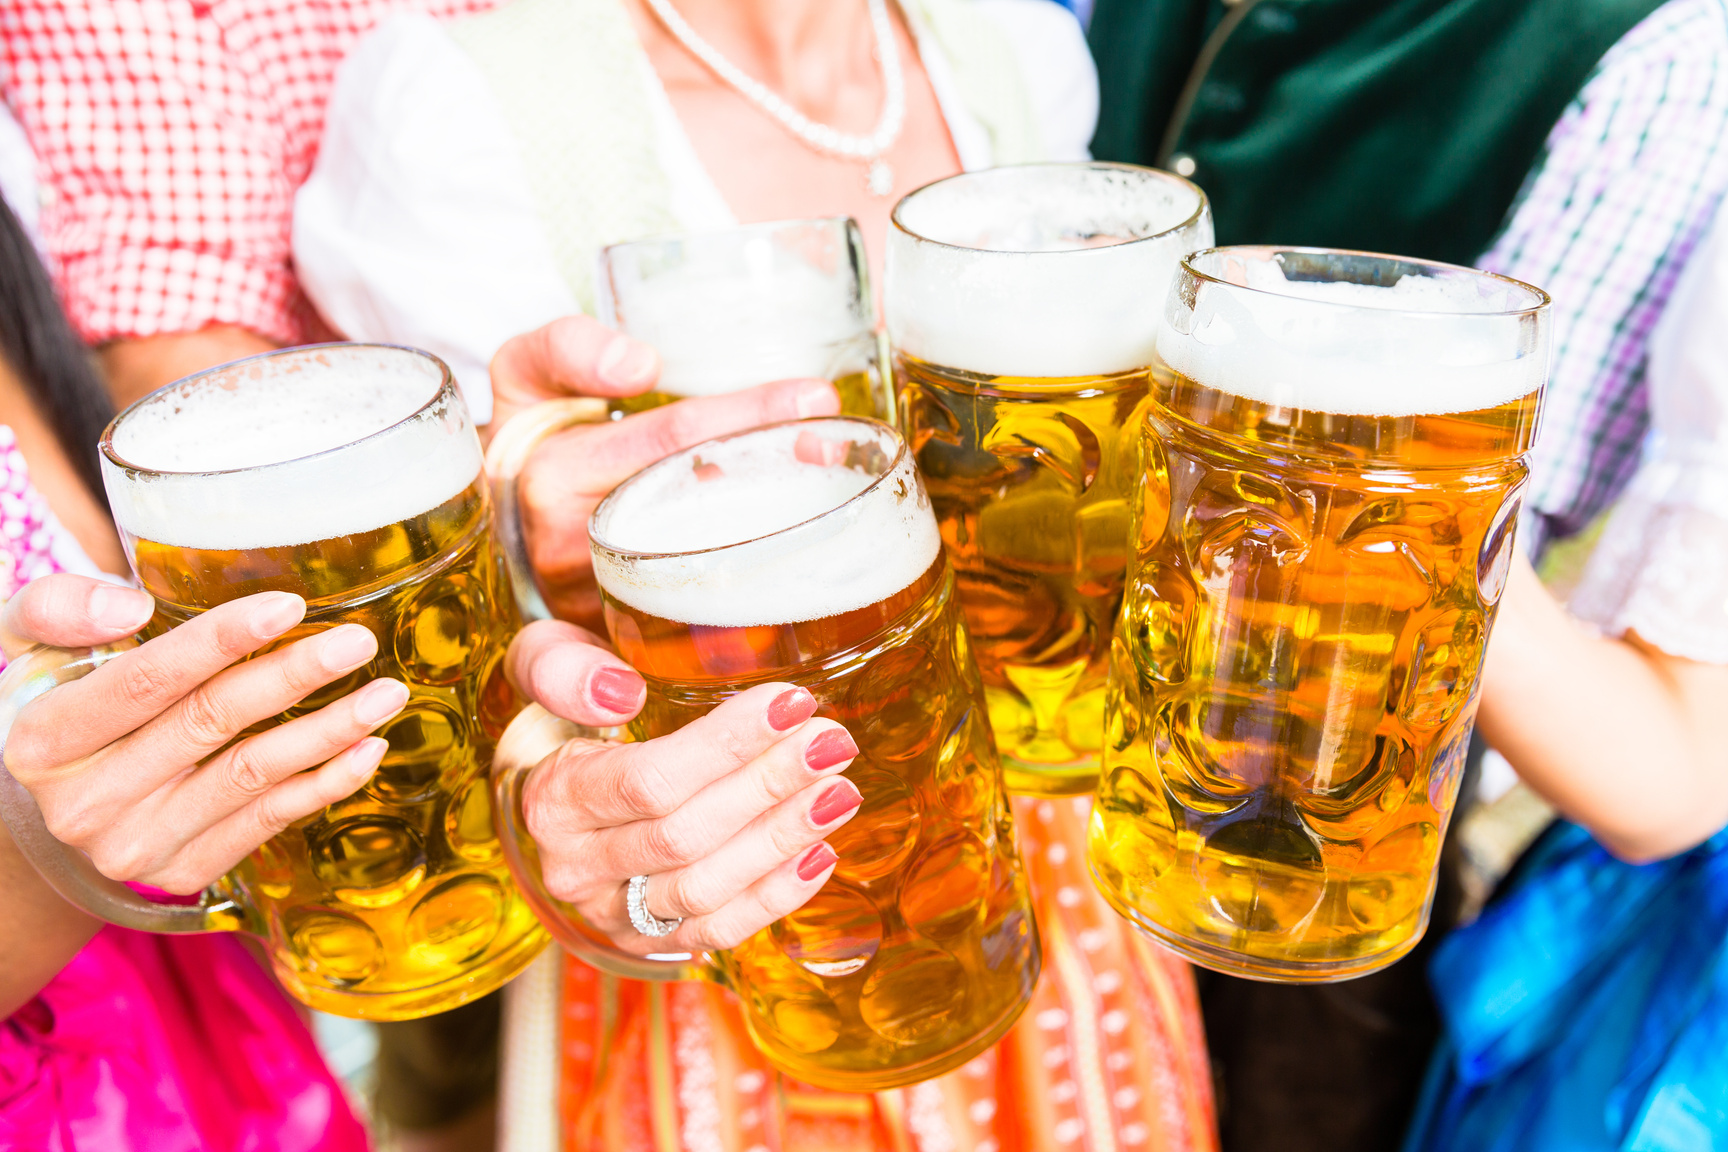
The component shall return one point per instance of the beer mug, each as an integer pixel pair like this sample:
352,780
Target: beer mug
743,306
349,475
1022,309
1333,466
921,950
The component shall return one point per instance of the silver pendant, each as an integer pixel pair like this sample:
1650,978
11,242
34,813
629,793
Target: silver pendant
880,179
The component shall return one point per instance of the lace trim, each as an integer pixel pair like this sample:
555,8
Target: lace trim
1661,568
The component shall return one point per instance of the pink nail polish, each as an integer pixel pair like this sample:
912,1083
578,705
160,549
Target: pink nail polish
832,747
840,798
790,709
617,689
816,861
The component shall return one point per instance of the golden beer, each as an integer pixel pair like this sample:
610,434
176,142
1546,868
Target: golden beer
862,390
395,902
920,951
1332,467
1022,304
734,308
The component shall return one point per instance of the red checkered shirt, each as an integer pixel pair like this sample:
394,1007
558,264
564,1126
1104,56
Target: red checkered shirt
170,137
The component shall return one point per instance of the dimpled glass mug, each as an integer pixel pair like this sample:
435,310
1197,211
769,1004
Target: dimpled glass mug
807,552
351,476
1333,463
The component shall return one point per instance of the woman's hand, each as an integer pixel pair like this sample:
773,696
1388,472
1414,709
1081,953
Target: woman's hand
726,816
134,765
570,473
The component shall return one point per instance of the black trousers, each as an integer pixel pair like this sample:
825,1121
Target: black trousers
434,1071
1331,1067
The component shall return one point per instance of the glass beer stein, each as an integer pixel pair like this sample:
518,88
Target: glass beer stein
1022,308
743,306
920,951
351,476
1332,472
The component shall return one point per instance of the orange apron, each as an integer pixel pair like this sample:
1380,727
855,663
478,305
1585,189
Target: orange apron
1109,1056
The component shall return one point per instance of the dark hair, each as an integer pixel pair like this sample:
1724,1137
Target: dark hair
50,361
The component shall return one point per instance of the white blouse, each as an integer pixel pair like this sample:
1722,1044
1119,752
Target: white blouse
1661,566
418,225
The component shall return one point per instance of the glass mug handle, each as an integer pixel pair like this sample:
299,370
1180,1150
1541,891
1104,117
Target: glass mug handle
535,733
506,456
66,869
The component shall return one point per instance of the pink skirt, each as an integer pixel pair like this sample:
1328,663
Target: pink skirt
170,1044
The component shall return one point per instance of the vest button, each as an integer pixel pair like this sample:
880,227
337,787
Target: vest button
1183,164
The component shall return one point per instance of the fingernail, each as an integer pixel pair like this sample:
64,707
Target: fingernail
839,799
367,755
114,607
835,746
276,612
617,689
790,709
816,861
379,701
625,363
814,449
346,647
816,398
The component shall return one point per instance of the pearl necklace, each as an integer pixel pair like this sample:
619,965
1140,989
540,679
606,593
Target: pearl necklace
879,177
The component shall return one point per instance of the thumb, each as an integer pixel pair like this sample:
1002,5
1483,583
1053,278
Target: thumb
572,356
70,611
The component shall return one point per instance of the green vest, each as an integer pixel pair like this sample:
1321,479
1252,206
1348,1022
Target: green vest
1403,126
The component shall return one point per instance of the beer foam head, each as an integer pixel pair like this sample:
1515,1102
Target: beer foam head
1040,269
731,309
783,524
1353,334
289,448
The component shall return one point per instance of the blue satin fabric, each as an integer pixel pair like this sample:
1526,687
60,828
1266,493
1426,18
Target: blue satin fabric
1587,1009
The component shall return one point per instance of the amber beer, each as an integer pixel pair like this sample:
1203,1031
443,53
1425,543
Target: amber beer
737,307
1333,464
350,475
1023,306
806,552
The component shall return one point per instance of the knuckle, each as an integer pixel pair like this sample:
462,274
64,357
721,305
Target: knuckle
562,881
248,774
667,845
642,791
786,837
692,895
124,860
30,747
554,794
74,823
737,745
205,718
147,682
546,809
268,814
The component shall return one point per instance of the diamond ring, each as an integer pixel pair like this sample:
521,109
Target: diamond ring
636,901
